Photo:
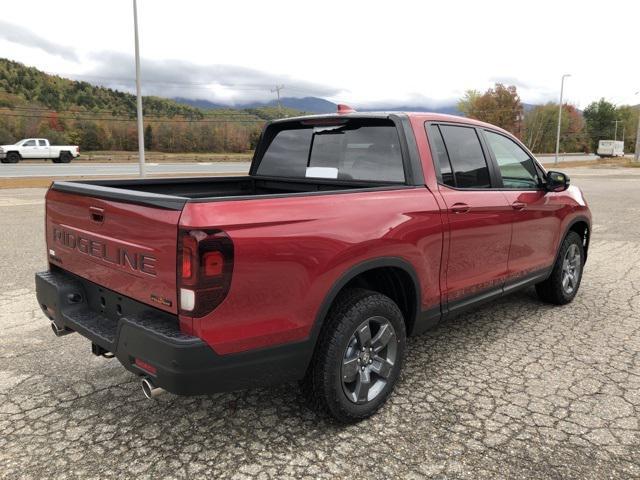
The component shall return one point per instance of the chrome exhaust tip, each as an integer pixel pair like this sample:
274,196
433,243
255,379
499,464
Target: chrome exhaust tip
150,390
60,332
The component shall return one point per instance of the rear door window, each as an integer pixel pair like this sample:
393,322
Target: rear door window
468,163
363,150
42,143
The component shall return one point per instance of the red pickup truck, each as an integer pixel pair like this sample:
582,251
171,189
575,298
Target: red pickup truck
350,232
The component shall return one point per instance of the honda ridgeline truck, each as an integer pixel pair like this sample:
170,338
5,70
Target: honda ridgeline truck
351,232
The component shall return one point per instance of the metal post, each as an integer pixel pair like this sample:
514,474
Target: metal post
138,93
636,156
277,90
560,115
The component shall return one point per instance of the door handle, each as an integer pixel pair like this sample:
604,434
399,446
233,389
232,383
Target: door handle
459,208
518,205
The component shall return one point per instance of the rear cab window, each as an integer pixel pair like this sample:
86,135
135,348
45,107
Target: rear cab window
365,150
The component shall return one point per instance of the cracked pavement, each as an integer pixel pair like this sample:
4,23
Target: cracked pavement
516,389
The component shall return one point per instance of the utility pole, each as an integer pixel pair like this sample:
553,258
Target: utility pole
277,91
560,115
615,131
636,156
138,92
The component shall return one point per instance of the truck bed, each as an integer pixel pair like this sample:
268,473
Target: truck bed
173,193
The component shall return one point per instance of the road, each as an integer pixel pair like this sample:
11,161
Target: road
47,169
515,389
41,169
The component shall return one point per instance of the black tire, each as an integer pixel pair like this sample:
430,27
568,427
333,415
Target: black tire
555,289
323,384
12,157
65,157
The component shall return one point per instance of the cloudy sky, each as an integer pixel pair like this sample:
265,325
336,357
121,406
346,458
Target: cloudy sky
363,53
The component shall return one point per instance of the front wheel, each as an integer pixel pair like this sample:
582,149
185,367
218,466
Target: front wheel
562,285
359,356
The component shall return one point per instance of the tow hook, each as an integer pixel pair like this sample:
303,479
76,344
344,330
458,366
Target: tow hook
60,332
149,389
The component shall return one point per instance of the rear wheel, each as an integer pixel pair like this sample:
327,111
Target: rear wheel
12,157
65,157
562,285
359,356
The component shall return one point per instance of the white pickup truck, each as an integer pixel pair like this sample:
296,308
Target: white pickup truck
38,148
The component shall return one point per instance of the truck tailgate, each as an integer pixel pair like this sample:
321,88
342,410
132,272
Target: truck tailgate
125,247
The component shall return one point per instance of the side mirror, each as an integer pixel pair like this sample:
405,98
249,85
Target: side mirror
557,181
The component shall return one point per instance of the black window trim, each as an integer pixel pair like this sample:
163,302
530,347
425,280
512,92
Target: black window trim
540,171
494,178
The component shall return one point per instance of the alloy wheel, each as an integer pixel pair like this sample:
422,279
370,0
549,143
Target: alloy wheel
369,359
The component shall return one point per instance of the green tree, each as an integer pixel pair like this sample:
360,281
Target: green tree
600,117
6,137
148,137
627,129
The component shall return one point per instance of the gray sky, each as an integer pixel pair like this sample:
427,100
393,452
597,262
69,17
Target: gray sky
359,52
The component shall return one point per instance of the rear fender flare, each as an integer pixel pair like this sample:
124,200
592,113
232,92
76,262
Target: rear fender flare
352,273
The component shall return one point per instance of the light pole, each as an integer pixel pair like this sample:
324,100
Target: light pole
138,92
560,115
615,131
636,157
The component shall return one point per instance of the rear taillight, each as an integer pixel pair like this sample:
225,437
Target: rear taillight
205,265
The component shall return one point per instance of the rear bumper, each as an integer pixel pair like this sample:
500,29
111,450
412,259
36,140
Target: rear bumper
181,364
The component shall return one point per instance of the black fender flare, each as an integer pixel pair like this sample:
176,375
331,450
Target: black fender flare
352,273
579,218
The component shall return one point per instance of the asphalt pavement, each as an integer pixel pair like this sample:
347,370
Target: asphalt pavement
515,389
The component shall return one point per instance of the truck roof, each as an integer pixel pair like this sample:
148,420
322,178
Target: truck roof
424,116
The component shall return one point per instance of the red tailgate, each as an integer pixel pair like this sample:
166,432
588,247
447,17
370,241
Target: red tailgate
124,247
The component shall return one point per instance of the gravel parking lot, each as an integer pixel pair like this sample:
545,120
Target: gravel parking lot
517,389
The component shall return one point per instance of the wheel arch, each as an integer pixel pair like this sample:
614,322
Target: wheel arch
387,275
582,226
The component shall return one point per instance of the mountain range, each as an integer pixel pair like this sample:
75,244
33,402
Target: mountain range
314,105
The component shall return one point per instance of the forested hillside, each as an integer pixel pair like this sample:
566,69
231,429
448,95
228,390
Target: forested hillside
33,103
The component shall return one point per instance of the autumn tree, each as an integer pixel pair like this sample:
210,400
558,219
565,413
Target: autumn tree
499,106
540,127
